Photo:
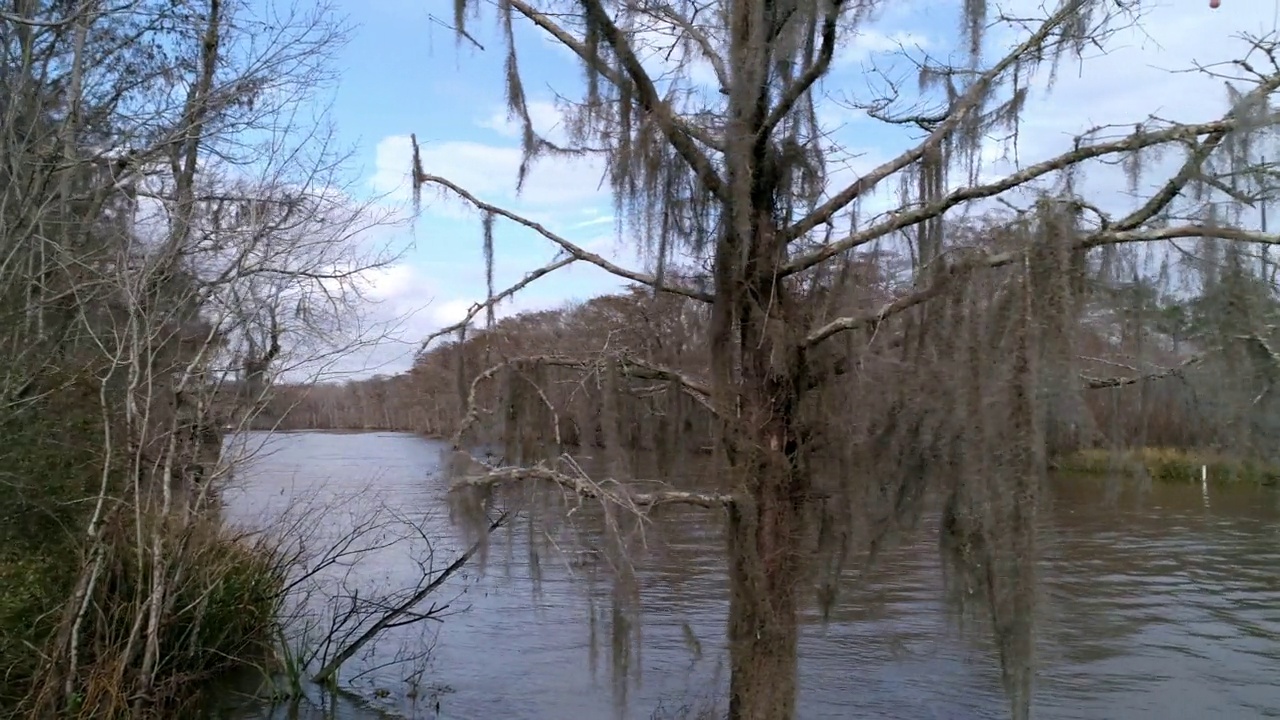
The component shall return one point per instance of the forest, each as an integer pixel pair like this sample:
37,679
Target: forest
182,257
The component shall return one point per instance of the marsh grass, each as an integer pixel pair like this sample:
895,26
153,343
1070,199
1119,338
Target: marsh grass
1169,465
221,615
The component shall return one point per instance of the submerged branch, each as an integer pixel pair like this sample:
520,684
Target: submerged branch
392,617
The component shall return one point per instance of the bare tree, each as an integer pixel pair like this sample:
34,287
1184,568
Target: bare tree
944,386
174,242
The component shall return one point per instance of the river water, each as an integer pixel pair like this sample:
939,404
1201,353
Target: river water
1159,602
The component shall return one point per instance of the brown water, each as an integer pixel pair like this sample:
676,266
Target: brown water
1161,604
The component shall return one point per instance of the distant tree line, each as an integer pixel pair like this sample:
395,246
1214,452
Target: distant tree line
1175,354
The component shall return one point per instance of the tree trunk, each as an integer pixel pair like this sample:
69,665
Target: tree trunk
766,533
763,609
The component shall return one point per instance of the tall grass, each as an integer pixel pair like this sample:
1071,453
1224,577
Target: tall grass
1169,465
221,613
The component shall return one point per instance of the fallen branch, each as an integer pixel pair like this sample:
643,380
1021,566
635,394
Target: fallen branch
391,618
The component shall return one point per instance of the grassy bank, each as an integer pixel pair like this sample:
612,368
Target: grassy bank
1169,465
221,614
220,591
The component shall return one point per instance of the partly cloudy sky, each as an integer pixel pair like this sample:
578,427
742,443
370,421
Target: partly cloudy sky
404,73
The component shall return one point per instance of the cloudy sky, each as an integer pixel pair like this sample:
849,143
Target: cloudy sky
404,73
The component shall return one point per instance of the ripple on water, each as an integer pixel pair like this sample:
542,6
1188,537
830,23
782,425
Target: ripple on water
1153,606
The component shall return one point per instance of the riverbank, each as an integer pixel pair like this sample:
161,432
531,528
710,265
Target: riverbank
225,591
1169,465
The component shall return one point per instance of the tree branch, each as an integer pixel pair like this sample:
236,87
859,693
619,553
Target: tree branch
1118,237
1096,383
617,493
811,75
1200,152
477,308
703,42
964,105
628,366
679,133
906,302
983,260
907,218
569,247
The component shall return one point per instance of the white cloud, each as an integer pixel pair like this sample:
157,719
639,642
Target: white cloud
450,312
392,282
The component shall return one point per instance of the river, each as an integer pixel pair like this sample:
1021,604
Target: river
1159,602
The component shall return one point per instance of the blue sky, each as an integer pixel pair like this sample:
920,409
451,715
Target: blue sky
404,73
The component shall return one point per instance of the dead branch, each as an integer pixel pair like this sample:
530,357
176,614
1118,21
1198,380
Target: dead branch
478,308
573,249
395,614
608,490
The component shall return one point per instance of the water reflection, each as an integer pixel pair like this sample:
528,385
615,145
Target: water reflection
1154,606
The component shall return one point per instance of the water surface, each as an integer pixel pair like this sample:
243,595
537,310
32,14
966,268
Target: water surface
1159,603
